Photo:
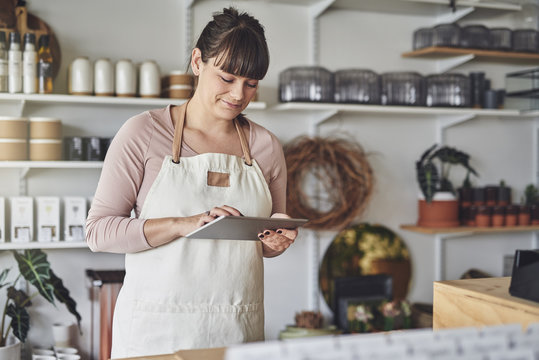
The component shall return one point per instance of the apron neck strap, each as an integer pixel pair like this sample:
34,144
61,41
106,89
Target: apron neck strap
178,135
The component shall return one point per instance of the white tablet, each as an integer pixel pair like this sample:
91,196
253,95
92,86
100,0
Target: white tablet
242,227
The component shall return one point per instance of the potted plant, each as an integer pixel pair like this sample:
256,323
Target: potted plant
35,269
439,206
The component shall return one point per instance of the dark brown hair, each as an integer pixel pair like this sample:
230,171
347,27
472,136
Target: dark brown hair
238,43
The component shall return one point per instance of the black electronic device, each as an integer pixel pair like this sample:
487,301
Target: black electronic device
525,277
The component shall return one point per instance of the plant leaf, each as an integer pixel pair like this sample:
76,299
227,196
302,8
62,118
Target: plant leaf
20,321
19,297
428,178
35,268
3,277
62,294
426,154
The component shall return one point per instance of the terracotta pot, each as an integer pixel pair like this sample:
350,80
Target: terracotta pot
399,270
438,213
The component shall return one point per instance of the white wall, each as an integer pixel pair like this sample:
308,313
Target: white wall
139,30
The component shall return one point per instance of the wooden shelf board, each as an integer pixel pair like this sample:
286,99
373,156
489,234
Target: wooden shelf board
441,51
44,245
469,229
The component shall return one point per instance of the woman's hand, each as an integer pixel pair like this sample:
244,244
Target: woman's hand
164,230
276,242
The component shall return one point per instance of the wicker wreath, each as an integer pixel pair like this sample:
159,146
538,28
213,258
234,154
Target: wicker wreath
340,175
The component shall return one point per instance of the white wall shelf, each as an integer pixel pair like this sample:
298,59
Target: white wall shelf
44,245
315,108
52,164
20,100
442,234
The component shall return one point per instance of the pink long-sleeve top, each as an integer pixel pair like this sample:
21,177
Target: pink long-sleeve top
132,163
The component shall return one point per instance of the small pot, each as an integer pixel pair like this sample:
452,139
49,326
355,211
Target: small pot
534,214
479,196
466,196
442,211
504,195
12,351
484,216
524,215
471,216
511,215
498,216
491,195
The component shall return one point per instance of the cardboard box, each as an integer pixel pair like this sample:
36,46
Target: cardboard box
480,302
197,354
2,219
48,218
74,218
22,219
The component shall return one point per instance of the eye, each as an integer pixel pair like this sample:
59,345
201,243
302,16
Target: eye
226,80
253,86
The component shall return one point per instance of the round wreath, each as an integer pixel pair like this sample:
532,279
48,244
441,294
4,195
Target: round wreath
343,178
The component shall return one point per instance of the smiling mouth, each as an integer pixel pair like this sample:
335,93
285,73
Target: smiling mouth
233,105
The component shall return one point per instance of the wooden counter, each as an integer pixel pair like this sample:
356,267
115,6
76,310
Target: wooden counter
480,302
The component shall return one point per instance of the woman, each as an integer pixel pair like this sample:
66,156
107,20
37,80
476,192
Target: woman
179,168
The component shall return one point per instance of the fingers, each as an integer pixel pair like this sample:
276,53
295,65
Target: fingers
280,215
278,241
224,210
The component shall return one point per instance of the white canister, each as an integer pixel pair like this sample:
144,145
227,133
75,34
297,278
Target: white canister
126,78
81,77
149,79
103,77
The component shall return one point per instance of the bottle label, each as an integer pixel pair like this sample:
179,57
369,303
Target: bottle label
29,69
45,70
15,68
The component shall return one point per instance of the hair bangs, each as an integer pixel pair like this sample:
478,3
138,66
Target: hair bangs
241,53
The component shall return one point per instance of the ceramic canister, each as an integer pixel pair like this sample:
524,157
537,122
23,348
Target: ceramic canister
149,79
103,77
125,78
81,77
45,128
13,149
13,127
45,149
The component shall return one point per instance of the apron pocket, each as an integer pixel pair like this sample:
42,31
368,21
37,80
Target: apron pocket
158,329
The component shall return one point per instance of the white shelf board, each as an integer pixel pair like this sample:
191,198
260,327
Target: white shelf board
407,6
102,100
52,164
398,110
44,245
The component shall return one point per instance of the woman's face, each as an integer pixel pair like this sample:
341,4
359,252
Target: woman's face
227,95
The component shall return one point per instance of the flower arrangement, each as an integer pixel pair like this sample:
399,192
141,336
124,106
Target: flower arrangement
381,315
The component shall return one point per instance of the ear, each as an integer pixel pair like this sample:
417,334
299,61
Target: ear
196,61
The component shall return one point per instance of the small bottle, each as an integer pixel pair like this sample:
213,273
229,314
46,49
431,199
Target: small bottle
15,63
3,63
44,67
29,64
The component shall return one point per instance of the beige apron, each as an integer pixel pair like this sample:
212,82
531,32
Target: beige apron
193,293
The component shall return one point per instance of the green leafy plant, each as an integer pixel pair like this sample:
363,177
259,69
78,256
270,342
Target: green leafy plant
531,195
430,178
35,269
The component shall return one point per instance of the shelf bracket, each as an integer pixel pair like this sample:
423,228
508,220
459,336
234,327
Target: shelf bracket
20,110
444,123
445,65
439,251
315,11
318,119
450,16
23,184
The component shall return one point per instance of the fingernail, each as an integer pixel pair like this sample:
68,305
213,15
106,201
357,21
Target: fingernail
266,233
261,236
279,231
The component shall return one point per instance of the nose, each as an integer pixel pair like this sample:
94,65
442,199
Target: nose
237,90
